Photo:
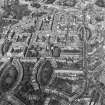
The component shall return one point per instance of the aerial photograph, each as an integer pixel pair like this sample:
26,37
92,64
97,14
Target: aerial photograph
52,52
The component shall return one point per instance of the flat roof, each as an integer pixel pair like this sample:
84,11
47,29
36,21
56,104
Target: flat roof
68,71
